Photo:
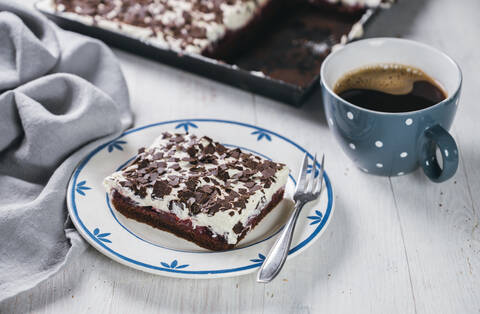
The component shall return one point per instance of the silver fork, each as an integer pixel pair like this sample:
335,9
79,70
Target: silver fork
306,191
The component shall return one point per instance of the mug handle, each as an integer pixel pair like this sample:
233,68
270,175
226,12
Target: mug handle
433,137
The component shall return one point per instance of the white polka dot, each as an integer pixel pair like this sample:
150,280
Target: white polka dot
379,165
446,153
350,115
379,144
400,173
404,154
330,121
456,101
408,121
427,163
363,169
352,146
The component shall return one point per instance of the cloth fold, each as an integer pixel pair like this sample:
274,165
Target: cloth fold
61,94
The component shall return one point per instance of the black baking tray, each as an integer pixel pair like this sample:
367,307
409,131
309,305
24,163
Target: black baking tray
290,52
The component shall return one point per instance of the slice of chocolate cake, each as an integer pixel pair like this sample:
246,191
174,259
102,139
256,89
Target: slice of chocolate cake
198,189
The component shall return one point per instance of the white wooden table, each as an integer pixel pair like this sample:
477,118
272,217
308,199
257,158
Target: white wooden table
395,245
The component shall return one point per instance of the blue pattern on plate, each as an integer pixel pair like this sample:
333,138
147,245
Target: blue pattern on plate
81,187
102,236
316,219
115,144
186,125
174,265
260,258
309,170
319,225
262,134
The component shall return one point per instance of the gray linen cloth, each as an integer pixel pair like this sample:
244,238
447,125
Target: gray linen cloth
61,94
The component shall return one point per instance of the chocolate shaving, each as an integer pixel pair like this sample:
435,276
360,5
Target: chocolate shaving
191,151
160,189
268,172
220,149
235,153
249,184
191,183
209,149
238,228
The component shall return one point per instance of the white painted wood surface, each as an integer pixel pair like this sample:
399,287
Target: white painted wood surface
399,245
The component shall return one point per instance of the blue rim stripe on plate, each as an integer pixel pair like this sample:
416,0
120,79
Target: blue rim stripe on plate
293,250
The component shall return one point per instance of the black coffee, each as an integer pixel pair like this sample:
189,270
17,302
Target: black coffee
390,88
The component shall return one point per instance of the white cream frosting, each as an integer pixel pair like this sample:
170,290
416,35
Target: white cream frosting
368,3
221,222
237,15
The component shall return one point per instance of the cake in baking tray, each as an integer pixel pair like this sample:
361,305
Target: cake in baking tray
350,6
198,189
207,27
214,28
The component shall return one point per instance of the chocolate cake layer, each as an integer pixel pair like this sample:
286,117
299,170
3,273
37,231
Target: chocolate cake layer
201,236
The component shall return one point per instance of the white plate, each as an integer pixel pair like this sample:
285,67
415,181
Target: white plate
145,248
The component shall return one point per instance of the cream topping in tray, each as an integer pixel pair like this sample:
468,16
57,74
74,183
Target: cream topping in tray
183,25
201,180
361,3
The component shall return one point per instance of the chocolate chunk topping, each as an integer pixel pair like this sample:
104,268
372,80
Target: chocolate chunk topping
191,183
220,149
191,151
249,184
198,32
238,228
161,188
209,149
268,172
204,175
235,153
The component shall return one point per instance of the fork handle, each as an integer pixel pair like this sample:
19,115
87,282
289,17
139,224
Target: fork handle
279,251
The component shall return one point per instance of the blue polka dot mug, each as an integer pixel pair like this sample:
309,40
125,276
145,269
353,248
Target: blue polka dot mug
391,144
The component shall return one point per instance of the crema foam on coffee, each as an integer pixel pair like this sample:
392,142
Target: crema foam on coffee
389,88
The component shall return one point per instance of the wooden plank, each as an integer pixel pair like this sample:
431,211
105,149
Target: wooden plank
359,263
159,92
440,221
